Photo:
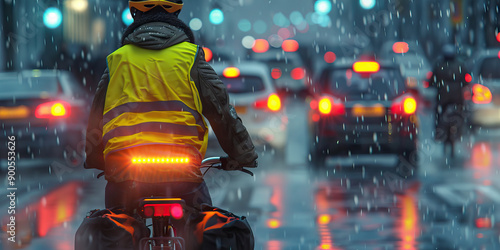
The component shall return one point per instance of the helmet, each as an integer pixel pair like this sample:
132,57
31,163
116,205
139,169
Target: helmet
170,6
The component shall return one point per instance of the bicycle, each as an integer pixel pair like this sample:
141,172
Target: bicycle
167,214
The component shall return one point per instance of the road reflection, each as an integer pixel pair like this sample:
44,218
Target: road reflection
51,211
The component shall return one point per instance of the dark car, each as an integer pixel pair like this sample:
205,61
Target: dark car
46,111
362,107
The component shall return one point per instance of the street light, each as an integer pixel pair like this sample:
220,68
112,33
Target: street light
323,7
216,16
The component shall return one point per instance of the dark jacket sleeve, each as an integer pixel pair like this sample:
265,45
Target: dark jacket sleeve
94,146
227,126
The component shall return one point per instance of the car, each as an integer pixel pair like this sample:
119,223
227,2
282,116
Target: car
286,69
44,113
483,102
362,107
416,68
255,99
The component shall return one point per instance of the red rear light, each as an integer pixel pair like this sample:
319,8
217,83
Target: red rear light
160,160
231,72
366,67
481,94
468,77
498,37
163,210
405,105
290,45
328,106
298,73
483,223
57,109
400,47
276,73
260,46
330,57
273,103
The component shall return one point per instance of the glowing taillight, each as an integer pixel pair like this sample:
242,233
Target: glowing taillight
260,46
163,210
298,73
160,160
405,105
276,73
468,78
483,223
57,109
327,106
231,72
290,46
366,67
409,105
400,47
273,103
481,94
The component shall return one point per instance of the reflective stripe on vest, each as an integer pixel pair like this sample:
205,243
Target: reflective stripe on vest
152,99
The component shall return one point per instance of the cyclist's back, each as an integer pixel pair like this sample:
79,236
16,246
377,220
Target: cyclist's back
149,109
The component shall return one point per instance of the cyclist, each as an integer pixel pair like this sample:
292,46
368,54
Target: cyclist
148,110
449,77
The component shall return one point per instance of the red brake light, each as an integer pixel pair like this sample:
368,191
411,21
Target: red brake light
498,37
481,94
231,72
483,222
57,109
273,103
330,57
298,73
406,105
160,160
400,47
328,106
276,73
468,77
260,46
290,45
163,210
366,67
208,54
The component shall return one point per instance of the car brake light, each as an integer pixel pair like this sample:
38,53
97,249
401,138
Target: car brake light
400,47
298,73
290,45
163,210
468,78
327,106
57,109
406,105
366,67
273,103
276,73
481,94
231,72
483,222
160,160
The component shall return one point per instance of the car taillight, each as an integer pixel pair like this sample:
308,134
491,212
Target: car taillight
273,103
160,160
58,109
483,223
366,67
298,73
328,106
163,210
405,105
481,94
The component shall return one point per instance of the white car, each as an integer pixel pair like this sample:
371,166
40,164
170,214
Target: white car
254,97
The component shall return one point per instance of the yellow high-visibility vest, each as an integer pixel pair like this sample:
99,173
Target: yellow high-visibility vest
152,100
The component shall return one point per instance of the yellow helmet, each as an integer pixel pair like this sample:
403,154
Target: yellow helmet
171,6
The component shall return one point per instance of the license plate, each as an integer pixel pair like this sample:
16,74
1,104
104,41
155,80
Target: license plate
14,112
241,110
374,111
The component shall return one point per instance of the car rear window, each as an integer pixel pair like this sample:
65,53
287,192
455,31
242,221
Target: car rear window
489,68
14,86
383,85
243,84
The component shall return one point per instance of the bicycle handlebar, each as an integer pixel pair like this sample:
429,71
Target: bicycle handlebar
220,163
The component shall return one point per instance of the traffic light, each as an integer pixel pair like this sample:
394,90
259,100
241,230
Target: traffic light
367,4
52,18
